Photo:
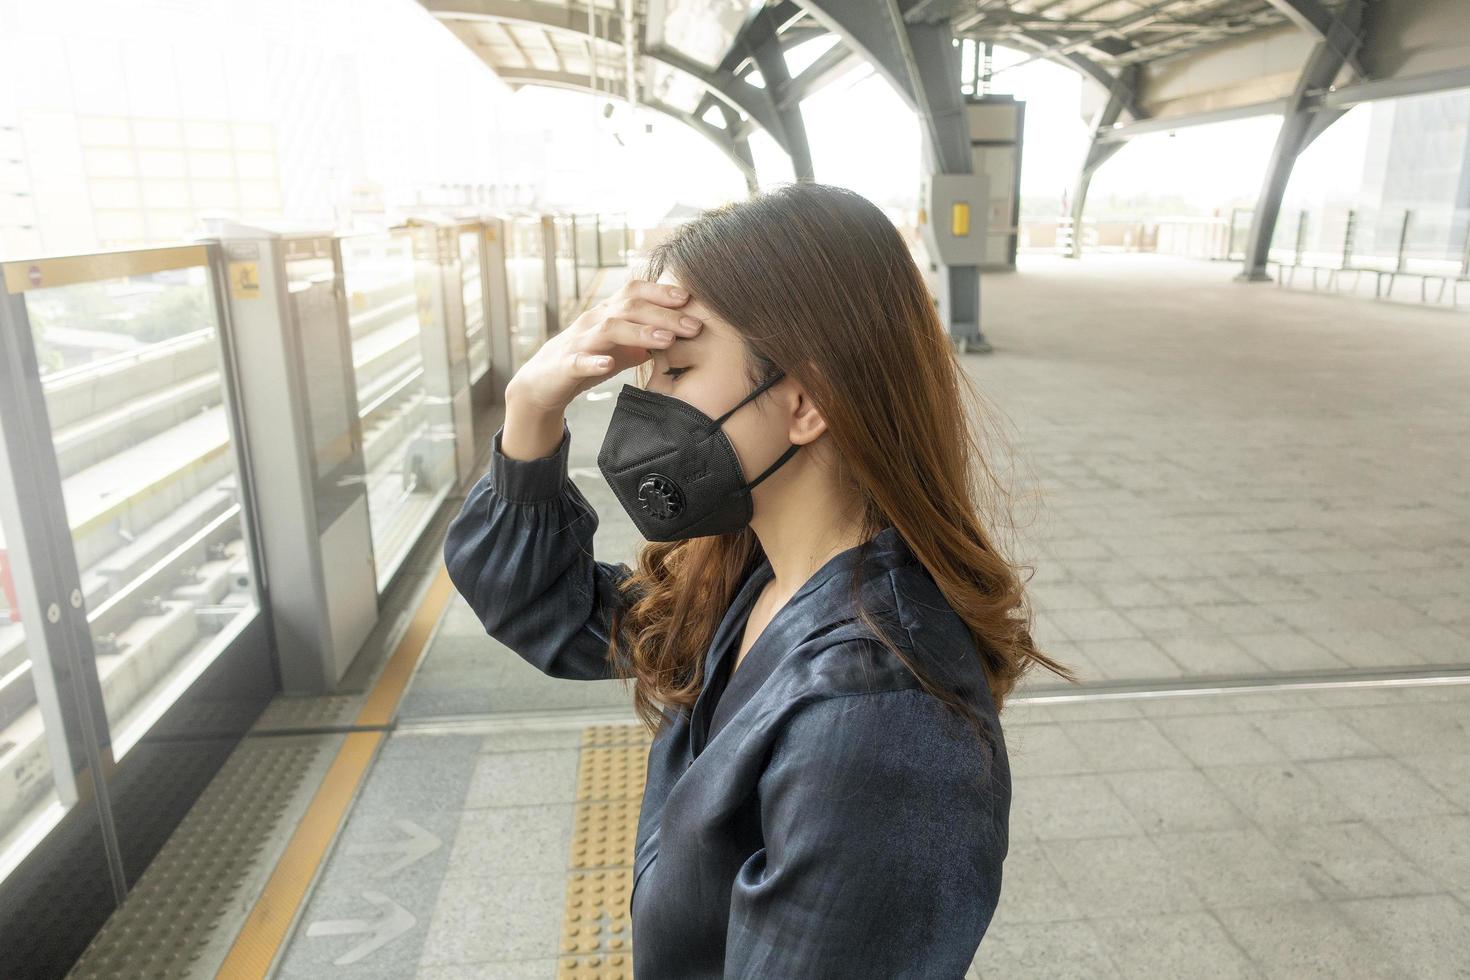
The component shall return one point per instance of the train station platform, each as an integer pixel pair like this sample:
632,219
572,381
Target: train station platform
1251,541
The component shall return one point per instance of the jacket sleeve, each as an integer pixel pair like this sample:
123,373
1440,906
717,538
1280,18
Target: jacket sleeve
520,552
885,823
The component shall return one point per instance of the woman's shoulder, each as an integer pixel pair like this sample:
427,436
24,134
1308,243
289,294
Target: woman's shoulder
909,626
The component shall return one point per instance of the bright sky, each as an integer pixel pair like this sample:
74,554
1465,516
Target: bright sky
411,124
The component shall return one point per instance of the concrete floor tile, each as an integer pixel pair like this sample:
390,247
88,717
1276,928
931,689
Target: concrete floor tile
1312,734
1235,867
1053,807
1094,709
1424,935
1289,651
1210,655
1124,744
1043,750
1381,789
1130,595
1119,876
532,740
1067,595
1408,729
1279,793
1363,647
1031,890
1439,845
1301,940
481,920
1448,772
1051,950
1081,625
1202,591
1173,800
519,778
1219,740
1350,860
1165,620
1242,619
1179,944
542,969
512,840
1130,659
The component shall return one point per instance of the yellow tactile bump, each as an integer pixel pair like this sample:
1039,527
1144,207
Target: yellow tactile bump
596,914
597,942
613,772
615,966
614,734
604,834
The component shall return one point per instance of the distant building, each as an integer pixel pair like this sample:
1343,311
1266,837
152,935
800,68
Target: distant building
121,125
1418,160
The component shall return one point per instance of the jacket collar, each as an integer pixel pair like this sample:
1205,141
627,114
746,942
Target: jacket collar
804,611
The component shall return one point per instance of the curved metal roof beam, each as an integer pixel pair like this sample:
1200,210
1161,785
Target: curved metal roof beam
737,93
566,80
1083,65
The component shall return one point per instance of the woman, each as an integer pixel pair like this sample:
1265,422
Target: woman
821,633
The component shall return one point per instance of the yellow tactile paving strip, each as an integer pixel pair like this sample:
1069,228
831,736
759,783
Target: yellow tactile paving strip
596,941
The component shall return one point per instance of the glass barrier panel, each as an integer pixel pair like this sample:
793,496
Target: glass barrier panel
566,268
404,418
1375,238
584,229
587,240
132,373
1326,234
613,232
1435,243
30,804
526,282
476,336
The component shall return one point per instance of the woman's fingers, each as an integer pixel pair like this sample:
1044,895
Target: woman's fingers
619,332
654,292
594,365
627,327
653,315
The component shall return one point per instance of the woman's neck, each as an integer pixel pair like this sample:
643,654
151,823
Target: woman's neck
797,545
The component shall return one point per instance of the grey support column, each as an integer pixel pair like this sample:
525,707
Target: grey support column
770,60
1120,99
914,50
1340,37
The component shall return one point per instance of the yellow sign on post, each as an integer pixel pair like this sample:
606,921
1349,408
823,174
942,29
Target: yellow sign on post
245,280
959,223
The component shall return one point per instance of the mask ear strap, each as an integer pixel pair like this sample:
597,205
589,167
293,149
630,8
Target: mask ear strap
754,394
791,451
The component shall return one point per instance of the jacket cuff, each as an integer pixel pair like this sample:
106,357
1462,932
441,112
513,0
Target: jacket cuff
529,481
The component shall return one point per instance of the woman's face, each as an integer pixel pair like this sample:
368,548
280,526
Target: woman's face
708,371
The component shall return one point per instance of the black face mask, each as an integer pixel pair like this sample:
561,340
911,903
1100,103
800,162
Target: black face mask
673,468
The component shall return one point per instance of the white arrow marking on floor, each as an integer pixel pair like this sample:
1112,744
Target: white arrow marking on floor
420,843
394,922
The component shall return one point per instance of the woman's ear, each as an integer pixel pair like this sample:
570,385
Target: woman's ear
807,423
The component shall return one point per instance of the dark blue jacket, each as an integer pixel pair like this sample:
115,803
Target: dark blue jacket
820,816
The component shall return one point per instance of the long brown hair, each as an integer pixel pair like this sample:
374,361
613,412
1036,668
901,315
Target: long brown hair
820,284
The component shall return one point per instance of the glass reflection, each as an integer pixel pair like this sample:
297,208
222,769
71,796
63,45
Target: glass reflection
131,370
526,284
477,338
566,268
27,770
406,416
585,229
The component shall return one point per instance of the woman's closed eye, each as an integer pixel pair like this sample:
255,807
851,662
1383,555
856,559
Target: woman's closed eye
675,371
